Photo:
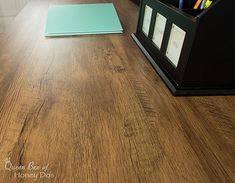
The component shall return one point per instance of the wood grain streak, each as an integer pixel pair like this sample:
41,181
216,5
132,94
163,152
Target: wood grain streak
92,109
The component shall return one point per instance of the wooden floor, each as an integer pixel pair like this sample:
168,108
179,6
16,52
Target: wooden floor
91,109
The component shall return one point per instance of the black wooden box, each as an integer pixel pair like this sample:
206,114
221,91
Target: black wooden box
195,54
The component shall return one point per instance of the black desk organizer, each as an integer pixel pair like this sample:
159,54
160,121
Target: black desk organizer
206,65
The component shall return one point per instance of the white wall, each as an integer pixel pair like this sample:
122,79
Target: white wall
11,7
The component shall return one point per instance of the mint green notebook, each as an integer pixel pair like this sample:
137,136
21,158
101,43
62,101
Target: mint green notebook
82,19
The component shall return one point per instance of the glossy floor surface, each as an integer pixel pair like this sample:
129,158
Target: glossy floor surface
92,109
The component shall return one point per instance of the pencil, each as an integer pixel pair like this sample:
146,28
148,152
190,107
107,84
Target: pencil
196,6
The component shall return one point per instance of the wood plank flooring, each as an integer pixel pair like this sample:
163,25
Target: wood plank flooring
87,109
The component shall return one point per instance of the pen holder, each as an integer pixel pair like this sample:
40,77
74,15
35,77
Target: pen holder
190,49
187,4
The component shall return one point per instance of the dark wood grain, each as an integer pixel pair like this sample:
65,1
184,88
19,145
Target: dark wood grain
94,110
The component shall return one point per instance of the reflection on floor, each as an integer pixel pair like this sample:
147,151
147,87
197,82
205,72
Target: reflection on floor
4,22
8,10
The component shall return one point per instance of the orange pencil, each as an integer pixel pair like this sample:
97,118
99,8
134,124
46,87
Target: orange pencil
196,6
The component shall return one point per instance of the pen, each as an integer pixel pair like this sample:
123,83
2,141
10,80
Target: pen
208,3
181,4
203,4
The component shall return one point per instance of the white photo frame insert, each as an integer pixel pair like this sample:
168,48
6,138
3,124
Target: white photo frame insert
159,30
147,19
175,44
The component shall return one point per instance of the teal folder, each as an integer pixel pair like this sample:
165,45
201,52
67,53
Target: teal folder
79,19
